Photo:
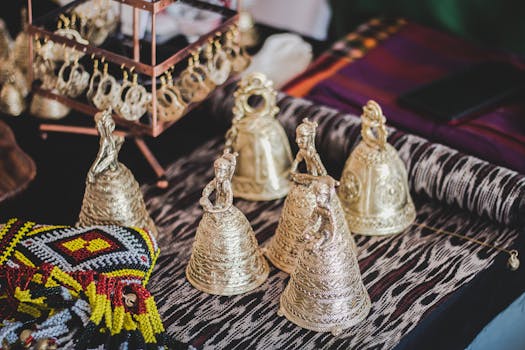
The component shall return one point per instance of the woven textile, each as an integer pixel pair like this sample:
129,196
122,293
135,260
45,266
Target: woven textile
407,276
413,56
72,285
126,253
437,171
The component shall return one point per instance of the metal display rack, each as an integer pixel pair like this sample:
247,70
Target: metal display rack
152,69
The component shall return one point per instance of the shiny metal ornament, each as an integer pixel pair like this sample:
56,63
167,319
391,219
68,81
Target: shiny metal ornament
133,100
11,100
226,259
249,36
264,158
194,82
217,62
47,108
513,262
374,184
21,45
325,292
170,104
11,73
6,42
285,246
238,57
72,79
112,195
106,93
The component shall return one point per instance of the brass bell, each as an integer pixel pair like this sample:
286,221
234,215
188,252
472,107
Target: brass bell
11,100
264,151
285,246
374,184
112,195
225,259
5,42
47,108
325,292
21,44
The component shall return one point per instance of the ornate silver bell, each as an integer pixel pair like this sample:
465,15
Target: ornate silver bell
264,151
112,195
374,184
225,259
285,246
325,292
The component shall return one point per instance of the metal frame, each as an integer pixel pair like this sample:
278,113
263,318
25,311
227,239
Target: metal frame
135,129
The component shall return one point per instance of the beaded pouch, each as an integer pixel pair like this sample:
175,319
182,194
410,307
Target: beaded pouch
89,281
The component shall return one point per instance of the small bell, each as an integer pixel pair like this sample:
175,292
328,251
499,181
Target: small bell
47,108
284,246
514,261
225,259
325,292
247,29
11,100
21,45
374,184
260,140
112,195
5,42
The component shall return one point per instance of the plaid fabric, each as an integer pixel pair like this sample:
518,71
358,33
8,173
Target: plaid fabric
353,47
411,57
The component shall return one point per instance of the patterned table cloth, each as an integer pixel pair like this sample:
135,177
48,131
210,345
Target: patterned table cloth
410,277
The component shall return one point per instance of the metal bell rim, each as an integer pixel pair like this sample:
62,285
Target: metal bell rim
316,327
230,291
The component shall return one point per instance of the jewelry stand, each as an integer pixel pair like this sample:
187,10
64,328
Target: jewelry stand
135,129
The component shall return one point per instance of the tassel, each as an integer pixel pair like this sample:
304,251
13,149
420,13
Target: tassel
56,303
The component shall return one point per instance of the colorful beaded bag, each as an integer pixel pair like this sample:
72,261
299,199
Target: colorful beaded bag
85,283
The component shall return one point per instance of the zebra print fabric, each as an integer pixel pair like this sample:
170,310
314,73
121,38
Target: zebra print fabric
407,275
434,170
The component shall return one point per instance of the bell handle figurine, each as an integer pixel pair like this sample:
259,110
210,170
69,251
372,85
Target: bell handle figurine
305,138
321,227
373,119
107,157
224,168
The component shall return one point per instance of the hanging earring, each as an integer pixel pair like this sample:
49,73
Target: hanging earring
6,42
120,107
96,77
74,83
134,99
193,83
170,105
219,66
64,29
107,91
238,57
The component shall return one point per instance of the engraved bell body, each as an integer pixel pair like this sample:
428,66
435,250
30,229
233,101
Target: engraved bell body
264,151
374,183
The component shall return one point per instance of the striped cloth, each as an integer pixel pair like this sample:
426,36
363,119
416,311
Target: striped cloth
400,57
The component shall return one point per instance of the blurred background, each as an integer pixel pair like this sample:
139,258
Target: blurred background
498,24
